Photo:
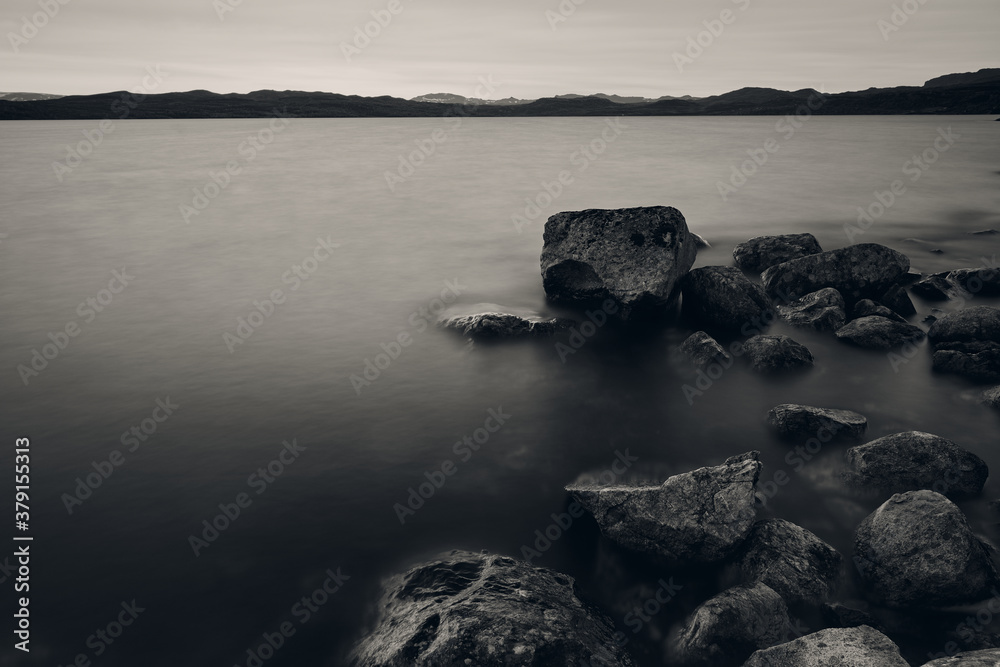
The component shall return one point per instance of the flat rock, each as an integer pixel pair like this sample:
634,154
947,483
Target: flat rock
763,252
862,646
980,365
698,516
490,321
979,323
989,657
862,271
991,397
635,256
967,342
727,628
917,550
799,566
914,460
822,310
703,350
875,332
474,609
793,420
721,297
867,307
773,354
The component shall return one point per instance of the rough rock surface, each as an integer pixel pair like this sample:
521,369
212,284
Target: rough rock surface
772,354
967,342
989,657
727,628
790,419
991,397
935,287
822,310
898,300
879,333
722,297
977,282
839,615
862,271
867,307
489,321
635,256
799,566
698,516
914,460
976,324
703,350
917,550
977,362
763,252
862,646
465,608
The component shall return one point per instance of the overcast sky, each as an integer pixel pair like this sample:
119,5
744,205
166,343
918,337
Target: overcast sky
626,47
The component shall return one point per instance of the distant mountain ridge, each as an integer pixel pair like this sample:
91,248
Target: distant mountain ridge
27,97
968,93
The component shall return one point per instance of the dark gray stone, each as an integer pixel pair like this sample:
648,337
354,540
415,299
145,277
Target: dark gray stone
991,397
976,324
721,297
763,252
879,333
989,657
774,354
898,300
806,421
499,324
967,342
862,646
822,310
704,350
867,307
933,288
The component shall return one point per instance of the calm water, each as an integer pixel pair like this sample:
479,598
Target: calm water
449,223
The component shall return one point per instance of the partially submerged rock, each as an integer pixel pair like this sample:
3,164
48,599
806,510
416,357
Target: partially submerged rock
991,397
935,287
763,252
898,300
489,321
976,324
867,307
917,550
698,516
721,297
862,646
822,310
793,420
474,609
914,460
989,657
774,354
879,333
799,566
635,256
967,342
703,350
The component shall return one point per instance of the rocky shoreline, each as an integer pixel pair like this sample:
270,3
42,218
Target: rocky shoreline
914,558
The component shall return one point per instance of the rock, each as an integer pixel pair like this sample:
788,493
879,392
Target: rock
763,252
862,271
475,609
799,566
967,342
977,282
879,333
726,629
985,231
489,321
822,310
933,288
989,657
793,420
839,615
635,256
704,350
700,241
976,324
896,299
772,354
700,516
867,307
862,646
991,397
981,366
913,460
917,550
722,297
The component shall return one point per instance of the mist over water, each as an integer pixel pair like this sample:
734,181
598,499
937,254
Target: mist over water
386,256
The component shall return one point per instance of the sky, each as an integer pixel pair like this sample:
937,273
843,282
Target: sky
521,48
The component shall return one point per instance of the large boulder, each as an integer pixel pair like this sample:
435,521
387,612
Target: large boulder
489,321
976,361
862,271
721,297
862,646
635,256
917,550
875,332
799,566
703,350
763,252
792,420
822,310
696,517
913,460
727,628
465,608
774,354
989,657
967,342
976,324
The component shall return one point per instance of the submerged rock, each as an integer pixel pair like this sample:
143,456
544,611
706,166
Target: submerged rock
773,354
862,271
799,566
635,256
913,460
474,609
822,310
989,657
979,323
867,307
967,342
727,628
862,646
763,252
790,419
917,550
879,333
722,297
489,321
704,350
982,364
698,516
